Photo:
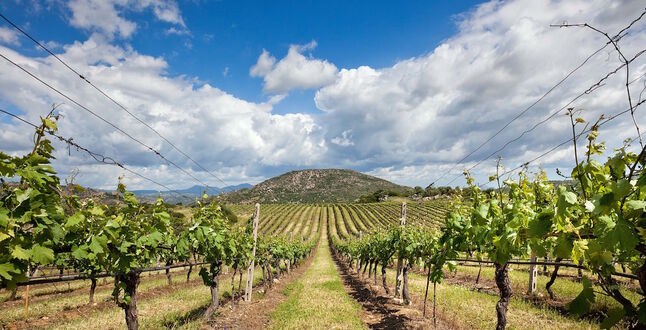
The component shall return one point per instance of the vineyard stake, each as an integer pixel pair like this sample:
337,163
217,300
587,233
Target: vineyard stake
398,278
533,275
27,297
249,288
434,303
428,278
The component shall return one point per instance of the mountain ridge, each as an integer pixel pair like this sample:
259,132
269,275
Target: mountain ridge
313,186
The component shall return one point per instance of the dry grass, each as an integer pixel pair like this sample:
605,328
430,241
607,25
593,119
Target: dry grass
476,310
159,306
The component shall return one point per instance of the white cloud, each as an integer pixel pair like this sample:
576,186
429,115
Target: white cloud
294,71
232,137
344,139
434,109
409,122
263,66
9,36
107,16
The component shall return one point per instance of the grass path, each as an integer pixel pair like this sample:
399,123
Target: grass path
318,299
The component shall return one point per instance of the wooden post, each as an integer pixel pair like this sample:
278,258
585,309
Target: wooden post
27,296
533,275
398,277
360,234
249,288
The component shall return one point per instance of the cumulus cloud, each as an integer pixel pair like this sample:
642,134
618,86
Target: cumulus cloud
106,16
431,110
263,66
8,36
409,122
294,71
232,137
344,140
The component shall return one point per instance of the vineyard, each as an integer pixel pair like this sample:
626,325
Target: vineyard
325,248
346,220
50,230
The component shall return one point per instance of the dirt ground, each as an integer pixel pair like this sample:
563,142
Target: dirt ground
381,311
256,315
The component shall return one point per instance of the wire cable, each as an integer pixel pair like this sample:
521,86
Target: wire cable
102,119
84,78
96,156
615,38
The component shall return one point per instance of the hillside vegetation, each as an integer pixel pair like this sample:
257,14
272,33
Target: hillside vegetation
314,186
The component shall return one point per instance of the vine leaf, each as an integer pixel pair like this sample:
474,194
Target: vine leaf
614,315
582,303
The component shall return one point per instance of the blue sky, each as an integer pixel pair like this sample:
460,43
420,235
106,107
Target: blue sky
224,38
251,89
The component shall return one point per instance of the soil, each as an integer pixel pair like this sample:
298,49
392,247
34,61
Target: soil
256,315
381,311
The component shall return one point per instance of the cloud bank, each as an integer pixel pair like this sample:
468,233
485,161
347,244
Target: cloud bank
409,122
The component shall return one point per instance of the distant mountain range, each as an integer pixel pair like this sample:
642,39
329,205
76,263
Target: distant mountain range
188,194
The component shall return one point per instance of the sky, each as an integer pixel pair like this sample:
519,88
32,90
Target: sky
252,89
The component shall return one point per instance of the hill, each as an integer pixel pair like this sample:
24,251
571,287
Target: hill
313,186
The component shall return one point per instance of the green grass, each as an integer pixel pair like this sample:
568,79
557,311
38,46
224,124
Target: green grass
179,307
565,289
317,300
476,310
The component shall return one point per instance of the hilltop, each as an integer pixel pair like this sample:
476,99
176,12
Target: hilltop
313,186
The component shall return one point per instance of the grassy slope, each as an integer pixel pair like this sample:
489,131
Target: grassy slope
318,300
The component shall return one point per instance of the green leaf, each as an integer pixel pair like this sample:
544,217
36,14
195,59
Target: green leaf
480,214
614,316
80,253
621,188
130,199
22,195
7,268
41,254
20,253
618,165
95,245
626,236
50,124
635,208
563,248
570,197
96,211
582,303
598,254
74,219
641,312
641,182
542,224
4,217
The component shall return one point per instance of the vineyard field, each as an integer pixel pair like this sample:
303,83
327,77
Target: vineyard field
347,220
